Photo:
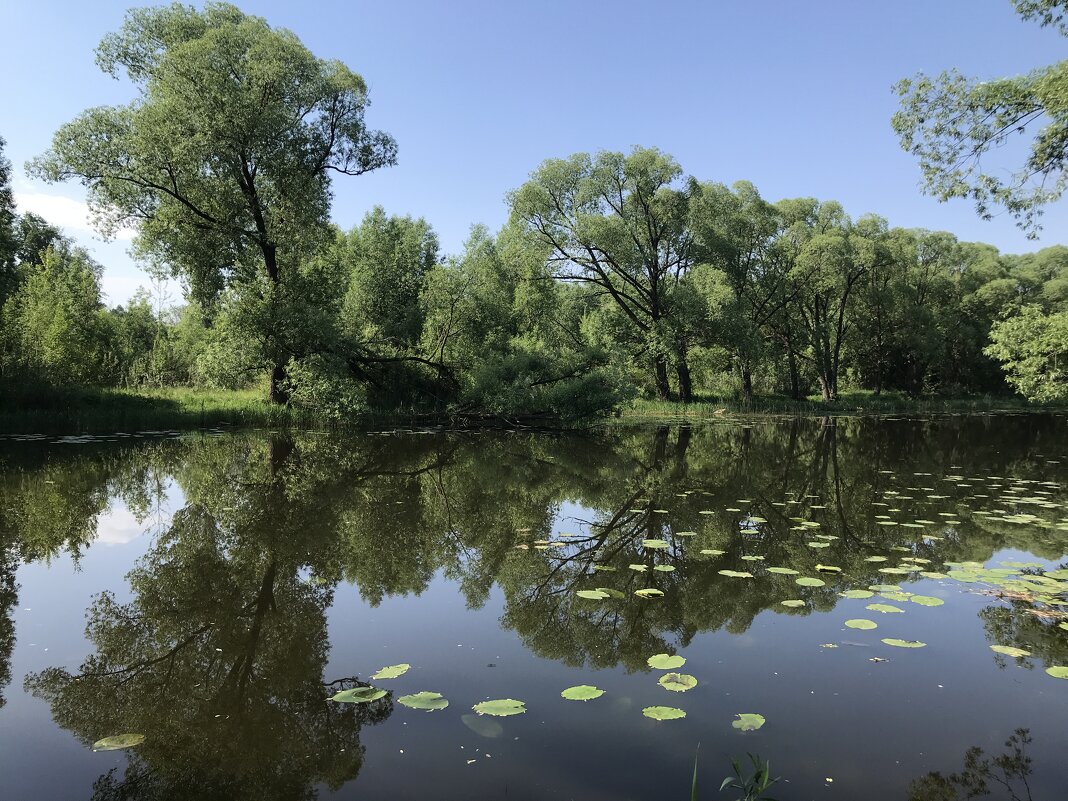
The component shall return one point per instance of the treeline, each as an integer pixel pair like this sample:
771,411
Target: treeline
615,274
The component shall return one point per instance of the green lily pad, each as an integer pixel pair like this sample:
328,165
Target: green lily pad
663,713
926,600
712,552
677,682
654,543
118,742
748,721
805,581
886,609
482,726
875,559
664,568
896,596
665,661
649,592
793,603
427,701
861,623
1008,650
606,568
639,568
828,569
592,595
735,573
904,643
500,707
582,692
685,533
391,672
857,594
358,695
783,571
1058,671
818,544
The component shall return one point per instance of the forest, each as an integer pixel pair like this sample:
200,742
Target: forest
616,275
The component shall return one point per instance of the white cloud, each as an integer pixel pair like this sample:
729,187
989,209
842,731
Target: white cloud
63,211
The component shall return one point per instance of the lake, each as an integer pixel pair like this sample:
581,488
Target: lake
826,594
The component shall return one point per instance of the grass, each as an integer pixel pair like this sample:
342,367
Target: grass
856,402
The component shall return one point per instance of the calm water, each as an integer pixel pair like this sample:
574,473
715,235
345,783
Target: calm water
212,592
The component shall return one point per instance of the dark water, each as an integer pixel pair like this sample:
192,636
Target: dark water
212,592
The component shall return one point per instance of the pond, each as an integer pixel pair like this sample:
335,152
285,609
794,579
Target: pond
866,603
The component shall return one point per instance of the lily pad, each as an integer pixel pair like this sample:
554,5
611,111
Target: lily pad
736,573
857,594
712,552
805,581
649,592
358,695
664,568
639,568
783,571
861,623
1058,671
483,726
1008,650
582,692
663,713
677,682
926,600
886,609
748,721
426,701
592,595
792,603
500,707
665,661
654,543
118,742
391,672
828,569
904,643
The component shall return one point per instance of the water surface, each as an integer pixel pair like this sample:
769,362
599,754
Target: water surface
213,591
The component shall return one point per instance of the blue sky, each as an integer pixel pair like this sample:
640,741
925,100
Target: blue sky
794,96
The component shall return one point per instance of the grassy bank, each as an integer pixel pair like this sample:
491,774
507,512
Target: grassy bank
88,410
859,402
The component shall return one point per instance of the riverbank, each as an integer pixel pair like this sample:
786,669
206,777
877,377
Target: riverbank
94,410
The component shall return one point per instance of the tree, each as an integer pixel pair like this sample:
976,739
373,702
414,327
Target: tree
8,219
224,161
1033,350
951,122
619,223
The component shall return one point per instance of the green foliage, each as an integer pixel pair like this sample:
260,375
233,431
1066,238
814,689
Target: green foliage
752,786
1033,349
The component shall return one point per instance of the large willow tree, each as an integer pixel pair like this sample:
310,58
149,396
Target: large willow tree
224,160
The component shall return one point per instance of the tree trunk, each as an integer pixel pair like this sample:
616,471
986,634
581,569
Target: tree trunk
795,375
279,393
685,383
663,388
747,382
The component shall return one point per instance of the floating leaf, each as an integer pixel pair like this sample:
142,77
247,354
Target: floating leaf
606,568
664,568
582,692
118,742
753,558
926,600
358,695
677,682
649,592
427,701
793,604
665,661
712,552
663,713
896,596
735,573
886,609
857,594
639,568
592,595
391,672
828,569
1008,650
654,544
904,643
861,623
1058,672
500,707
805,581
783,571
685,533
482,726
875,559
818,544
748,722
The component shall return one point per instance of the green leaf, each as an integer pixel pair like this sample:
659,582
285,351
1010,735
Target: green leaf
654,543
664,568
391,672
582,692
793,603
805,581
712,552
592,595
857,594
639,568
500,707
424,700
886,609
1008,650
748,722
665,661
677,682
828,569
926,600
735,573
649,592
783,571
118,741
358,695
663,713
861,623
1058,671
904,643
